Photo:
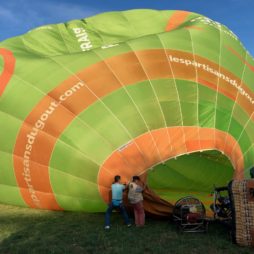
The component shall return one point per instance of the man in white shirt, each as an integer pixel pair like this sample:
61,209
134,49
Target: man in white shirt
135,197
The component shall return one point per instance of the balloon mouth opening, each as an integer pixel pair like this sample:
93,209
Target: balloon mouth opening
175,161
192,174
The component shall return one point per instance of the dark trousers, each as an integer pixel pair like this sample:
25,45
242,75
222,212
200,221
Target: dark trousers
122,209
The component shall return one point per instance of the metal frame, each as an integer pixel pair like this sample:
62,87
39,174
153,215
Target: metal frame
182,210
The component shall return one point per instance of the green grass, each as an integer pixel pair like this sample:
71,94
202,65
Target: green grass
31,231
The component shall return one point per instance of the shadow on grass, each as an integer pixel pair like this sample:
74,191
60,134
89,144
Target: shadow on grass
31,231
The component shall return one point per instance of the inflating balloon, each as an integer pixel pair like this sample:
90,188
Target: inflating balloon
167,95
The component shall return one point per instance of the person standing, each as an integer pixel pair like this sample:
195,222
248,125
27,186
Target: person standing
135,198
117,202
252,172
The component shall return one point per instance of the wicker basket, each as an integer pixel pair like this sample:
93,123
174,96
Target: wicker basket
242,195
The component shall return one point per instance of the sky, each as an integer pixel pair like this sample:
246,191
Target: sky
19,16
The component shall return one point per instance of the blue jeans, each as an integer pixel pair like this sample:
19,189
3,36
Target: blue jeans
122,209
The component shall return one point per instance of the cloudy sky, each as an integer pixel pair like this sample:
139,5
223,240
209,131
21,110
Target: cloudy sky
19,16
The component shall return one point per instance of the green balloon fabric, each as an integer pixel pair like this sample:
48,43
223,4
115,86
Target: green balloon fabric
167,95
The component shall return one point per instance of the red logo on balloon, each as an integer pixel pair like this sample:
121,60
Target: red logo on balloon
8,68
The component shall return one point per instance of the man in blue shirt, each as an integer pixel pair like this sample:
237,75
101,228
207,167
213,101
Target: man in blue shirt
117,202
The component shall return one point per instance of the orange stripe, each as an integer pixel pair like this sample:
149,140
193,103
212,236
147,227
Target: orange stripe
176,20
156,66
213,86
251,67
194,143
8,69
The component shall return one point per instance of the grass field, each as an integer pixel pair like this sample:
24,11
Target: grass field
35,231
